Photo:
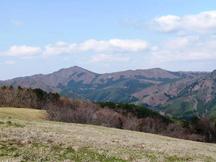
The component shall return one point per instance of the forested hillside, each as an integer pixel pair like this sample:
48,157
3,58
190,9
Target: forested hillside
123,116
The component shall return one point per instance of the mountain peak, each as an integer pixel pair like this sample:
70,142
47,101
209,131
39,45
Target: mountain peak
158,69
74,69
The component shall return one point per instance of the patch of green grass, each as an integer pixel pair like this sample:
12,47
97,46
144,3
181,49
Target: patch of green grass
30,152
9,123
208,159
14,124
151,156
175,158
22,113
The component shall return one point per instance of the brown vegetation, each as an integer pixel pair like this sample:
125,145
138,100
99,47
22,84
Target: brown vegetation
123,116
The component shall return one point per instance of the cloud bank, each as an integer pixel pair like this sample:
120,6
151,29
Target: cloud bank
21,51
97,46
201,22
92,45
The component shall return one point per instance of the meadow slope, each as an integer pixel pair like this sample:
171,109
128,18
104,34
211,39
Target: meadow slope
22,139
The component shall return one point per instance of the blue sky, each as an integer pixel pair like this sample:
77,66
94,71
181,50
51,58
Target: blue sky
38,36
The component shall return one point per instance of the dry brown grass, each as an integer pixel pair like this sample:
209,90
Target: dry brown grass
122,144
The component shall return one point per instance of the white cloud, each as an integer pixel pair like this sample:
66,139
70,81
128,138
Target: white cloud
180,42
59,48
22,51
108,58
97,46
202,22
185,49
113,45
167,23
89,46
128,45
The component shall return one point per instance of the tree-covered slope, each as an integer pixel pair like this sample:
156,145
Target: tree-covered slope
197,98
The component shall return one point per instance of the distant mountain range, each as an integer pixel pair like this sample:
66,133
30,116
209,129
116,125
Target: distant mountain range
182,94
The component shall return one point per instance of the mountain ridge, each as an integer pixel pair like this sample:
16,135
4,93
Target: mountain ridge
155,87
80,68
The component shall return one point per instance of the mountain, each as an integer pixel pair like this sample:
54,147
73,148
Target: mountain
53,81
154,87
79,82
196,97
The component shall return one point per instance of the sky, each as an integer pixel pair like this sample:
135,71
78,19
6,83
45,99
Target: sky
42,36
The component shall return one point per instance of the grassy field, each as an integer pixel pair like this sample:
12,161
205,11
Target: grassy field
22,139
22,113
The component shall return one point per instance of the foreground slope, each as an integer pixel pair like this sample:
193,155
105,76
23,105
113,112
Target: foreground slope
23,140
